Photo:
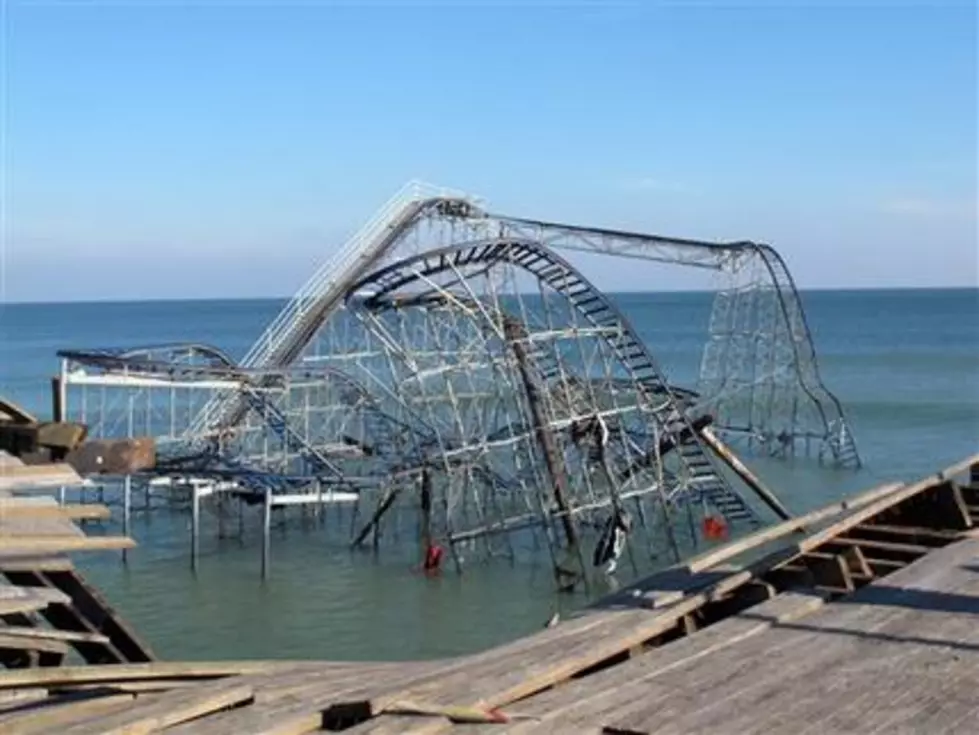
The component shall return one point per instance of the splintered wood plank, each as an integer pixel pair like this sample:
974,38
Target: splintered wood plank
69,675
58,712
165,710
573,705
51,596
48,634
130,687
495,683
900,639
27,599
449,692
282,709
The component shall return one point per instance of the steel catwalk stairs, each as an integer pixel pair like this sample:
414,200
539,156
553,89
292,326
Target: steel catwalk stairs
277,421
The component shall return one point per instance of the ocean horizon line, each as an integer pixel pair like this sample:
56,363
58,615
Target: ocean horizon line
252,299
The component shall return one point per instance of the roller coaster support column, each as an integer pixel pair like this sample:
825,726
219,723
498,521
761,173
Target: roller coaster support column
514,333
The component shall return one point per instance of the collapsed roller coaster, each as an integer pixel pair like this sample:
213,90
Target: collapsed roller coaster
453,373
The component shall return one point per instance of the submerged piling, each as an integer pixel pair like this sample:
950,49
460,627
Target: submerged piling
195,525
266,534
127,487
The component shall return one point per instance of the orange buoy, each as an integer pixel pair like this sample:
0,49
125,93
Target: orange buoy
714,528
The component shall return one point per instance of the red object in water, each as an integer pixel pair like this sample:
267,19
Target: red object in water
714,528
433,558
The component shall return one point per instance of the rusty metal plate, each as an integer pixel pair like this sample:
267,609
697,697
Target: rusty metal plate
113,456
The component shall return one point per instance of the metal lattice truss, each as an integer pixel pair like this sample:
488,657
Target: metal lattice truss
456,371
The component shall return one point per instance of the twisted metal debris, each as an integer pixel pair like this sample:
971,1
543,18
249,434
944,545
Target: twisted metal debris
460,378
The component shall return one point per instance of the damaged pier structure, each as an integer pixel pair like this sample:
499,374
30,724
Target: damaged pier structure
450,377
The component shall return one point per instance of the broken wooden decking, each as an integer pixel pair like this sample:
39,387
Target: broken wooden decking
867,623
47,610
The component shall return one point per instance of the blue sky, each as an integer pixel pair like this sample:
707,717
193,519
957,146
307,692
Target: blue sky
190,149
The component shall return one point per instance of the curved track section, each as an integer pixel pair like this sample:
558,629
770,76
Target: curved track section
794,407
419,280
759,370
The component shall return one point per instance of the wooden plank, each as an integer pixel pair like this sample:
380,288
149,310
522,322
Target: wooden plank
36,477
50,596
780,530
17,507
19,696
165,710
68,636
59,712
283,708
37,470
21,562
20,643
130,687
884,566
68,675
874,545
507,687
496,682
902,636
565,709
831,572
41,544
22,603
857,562
939,536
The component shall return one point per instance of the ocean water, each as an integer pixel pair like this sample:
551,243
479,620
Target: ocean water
904,363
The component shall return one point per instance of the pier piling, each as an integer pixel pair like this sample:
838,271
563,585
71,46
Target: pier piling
195,526
266,534
127,487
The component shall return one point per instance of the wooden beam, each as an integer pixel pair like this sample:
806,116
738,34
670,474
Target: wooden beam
39,544
831,571
166,710
59,712
69,675
939,535
728,551
49,634
914,550
16,508
746,475
857,563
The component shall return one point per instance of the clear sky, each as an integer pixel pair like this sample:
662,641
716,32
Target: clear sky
193,149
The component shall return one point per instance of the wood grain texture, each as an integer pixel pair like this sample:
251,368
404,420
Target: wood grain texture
880,660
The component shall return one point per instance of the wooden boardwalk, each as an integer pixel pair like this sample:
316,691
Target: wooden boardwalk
867,623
